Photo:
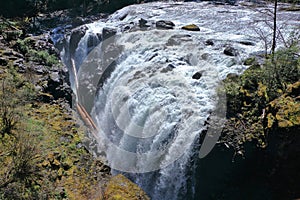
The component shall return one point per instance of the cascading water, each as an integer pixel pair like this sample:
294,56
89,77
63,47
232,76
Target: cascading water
140,87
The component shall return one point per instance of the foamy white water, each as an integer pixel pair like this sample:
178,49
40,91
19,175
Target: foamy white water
149,109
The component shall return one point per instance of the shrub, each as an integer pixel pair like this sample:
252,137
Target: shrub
14,92
26,46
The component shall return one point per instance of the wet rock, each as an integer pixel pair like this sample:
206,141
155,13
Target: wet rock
178,39
75,38
191,27
163,24
94,40
230,51
169,68
143,23
108,32
122,17
247,43
197,75
209,42
205,56
119,187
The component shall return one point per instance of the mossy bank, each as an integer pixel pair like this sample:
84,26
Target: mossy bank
42,151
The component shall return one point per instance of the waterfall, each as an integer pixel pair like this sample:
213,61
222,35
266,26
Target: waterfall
153,93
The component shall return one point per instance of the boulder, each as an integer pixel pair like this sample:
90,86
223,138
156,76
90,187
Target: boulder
143,23
205,56
94,40
197,75
169,68
119,187
163,24
230,51
57,85
209,42
108,32
191,27
247,43
177,39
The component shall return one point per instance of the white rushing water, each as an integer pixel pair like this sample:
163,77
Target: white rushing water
149,109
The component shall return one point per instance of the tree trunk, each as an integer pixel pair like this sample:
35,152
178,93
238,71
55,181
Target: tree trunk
274,28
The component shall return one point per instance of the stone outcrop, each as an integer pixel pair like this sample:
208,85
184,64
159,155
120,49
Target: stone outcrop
230,51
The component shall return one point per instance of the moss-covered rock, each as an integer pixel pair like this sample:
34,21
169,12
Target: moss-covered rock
191,27
250,61
120,188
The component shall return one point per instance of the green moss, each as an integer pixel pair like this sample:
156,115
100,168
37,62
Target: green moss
191,27
261,99
250,61
119,187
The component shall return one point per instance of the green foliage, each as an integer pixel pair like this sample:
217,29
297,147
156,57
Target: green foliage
22,171
15,91
26,46
283,70
259,85
250,94
43,57
23,45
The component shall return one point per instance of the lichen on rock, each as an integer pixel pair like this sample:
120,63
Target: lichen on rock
121,188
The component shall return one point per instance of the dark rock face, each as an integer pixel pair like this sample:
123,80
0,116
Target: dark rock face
75,38
3,62
197,75
108,32
58,85
94,40
162,24
230,51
